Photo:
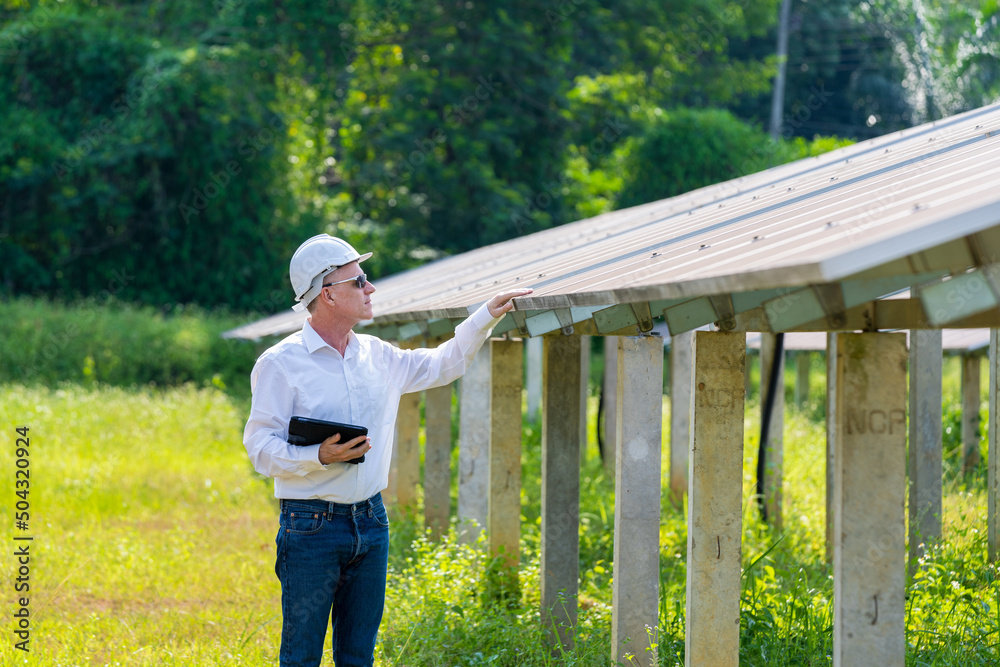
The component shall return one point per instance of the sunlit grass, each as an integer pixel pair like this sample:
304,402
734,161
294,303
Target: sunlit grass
154,545
152,538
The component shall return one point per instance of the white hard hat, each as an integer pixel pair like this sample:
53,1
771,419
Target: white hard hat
313,260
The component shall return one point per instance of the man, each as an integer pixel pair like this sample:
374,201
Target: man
333,536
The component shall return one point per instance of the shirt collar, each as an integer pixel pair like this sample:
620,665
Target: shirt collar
315,342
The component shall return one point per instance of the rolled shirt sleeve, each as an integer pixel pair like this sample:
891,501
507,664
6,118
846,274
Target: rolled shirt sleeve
426,368
266,432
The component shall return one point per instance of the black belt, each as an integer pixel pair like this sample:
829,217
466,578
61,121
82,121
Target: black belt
330,507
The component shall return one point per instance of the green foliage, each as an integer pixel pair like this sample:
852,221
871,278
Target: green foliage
449,138
120,344
862,69
952,612
189,147
146,170
950,56
442,614
178,152
462,140
842,76
687,149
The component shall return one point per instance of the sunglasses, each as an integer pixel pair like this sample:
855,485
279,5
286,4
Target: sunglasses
359,281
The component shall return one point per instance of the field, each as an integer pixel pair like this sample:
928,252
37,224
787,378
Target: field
154,541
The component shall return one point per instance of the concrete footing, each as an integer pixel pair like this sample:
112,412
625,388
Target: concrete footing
802,363
681,391
635,591
584,395
712,634
504,522
560,548
869,487
474,444
533,374
831,436
925,451
408,450
971,457
610,401
993,469
437,460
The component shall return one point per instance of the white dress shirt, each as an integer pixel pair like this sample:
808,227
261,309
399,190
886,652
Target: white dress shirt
303,376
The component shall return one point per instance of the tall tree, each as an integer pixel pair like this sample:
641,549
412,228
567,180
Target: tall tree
949,52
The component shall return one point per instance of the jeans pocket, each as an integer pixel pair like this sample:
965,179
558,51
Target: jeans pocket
303,523
380,516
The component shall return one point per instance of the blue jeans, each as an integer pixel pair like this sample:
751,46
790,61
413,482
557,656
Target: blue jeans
331,556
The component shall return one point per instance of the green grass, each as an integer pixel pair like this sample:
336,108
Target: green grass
154,544
111,342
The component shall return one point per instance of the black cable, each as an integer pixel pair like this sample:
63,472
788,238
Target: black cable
601,420
765,419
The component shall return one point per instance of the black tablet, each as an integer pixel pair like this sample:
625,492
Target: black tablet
307,431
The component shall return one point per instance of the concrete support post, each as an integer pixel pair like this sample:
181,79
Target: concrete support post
389,492
715,496
831,436
584,395
504,522
681,388
970,412
802,360
775,441
437,460
534,377
635,591
925,452
993,470
610,401
560,548
668,373
869,486
408,450
474,445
